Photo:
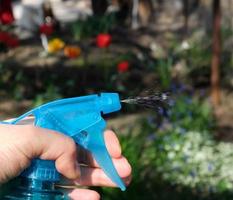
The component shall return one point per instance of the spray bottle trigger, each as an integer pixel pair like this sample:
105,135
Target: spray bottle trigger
97,147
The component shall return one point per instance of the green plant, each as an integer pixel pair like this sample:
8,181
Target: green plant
191,115
12,82
172,160
92,26
163,69
51,93
194,56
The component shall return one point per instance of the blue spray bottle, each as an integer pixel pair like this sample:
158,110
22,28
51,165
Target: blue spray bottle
79,118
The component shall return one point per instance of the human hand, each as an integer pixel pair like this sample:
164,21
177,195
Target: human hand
19,144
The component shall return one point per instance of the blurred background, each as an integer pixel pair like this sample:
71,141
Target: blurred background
51,49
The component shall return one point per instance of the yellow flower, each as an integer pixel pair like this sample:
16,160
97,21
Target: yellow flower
55,45
72,51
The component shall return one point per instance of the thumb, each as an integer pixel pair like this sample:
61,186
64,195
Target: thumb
50,145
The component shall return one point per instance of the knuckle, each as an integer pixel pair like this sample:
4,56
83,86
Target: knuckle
62,167
66,168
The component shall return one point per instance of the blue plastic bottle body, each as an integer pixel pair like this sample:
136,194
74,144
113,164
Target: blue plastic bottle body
31,189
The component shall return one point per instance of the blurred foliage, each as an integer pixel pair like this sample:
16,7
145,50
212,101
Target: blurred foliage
51,93
174,156
227,55
92,26
177,158
12,82
163,70
78,79
82,76
196,52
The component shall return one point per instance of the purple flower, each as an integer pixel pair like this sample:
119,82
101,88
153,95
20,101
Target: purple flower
171,102
150,120
188,100
193,174
185,158
160,110
202,93
151,137
173,88
181,88
210,167
182,131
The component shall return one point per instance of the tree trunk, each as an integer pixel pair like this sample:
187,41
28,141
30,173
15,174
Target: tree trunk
99,7
215,65
186,14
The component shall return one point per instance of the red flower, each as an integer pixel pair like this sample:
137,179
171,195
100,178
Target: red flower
123,66
46,29
12,42
9,40
103,40
4,36
6,14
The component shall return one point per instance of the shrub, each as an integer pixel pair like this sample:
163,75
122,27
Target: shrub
177,158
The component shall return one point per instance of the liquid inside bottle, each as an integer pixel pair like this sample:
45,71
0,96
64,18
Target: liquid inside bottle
31,189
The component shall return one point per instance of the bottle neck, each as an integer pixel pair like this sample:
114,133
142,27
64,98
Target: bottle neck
37,184
27,188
